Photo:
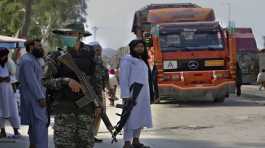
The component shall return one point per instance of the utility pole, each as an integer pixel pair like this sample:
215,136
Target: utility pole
263,41
95,29
83,10
231,24
229,13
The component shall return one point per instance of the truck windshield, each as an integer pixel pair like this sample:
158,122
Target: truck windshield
191,40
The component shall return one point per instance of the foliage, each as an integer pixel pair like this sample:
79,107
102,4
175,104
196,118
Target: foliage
46,15
12,13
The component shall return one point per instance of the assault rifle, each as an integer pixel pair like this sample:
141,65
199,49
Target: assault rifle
88,91
135,90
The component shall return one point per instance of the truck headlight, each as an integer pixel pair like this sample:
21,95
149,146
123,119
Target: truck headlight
169,65
212,63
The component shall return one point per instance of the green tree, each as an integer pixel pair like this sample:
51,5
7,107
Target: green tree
60,12
37,18
27,18
12,13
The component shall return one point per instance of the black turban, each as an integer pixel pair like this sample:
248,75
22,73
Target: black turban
133,44
3,51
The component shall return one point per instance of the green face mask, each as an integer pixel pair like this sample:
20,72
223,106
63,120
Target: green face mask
69,41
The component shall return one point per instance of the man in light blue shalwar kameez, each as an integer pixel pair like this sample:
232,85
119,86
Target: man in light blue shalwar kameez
33,103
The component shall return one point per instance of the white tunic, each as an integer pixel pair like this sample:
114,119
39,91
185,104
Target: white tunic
135,70
8,105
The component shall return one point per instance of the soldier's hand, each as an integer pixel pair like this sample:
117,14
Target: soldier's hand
43,103
74,85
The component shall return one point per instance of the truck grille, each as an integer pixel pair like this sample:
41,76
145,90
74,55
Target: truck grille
195,65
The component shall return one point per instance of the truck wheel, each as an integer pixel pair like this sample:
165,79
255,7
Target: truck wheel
220,99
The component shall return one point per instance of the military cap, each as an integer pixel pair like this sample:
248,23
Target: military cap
3,52
72,28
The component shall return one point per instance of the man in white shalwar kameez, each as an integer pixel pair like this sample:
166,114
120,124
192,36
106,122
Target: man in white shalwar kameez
8,105
134,69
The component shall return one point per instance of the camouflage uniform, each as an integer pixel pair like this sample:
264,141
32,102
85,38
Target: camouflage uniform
74,127
65,129
101,75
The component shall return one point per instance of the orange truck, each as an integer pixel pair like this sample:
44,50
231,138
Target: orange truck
194,55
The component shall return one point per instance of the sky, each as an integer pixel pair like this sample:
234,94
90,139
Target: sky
114,18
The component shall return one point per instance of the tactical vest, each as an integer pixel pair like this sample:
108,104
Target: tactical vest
65,98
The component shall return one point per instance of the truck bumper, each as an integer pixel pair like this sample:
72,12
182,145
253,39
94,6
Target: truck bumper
196,93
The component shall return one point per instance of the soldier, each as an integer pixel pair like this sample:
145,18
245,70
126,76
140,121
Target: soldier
113,82
74,127
102,78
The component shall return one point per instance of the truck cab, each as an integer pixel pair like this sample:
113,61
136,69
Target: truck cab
194,55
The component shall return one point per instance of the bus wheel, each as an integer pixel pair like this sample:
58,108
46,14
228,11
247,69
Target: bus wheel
220,99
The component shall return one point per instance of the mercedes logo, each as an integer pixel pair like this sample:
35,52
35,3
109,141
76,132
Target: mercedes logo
193,65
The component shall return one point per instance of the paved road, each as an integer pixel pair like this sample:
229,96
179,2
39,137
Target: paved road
237,123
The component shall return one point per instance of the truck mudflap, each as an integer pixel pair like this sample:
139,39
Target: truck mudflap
198,92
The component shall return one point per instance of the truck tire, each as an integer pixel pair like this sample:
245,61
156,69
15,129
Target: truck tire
219,99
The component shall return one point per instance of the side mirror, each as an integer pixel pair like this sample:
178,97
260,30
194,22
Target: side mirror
147,36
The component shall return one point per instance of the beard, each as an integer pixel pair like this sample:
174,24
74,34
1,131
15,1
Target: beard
37,52
140,54
137,54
